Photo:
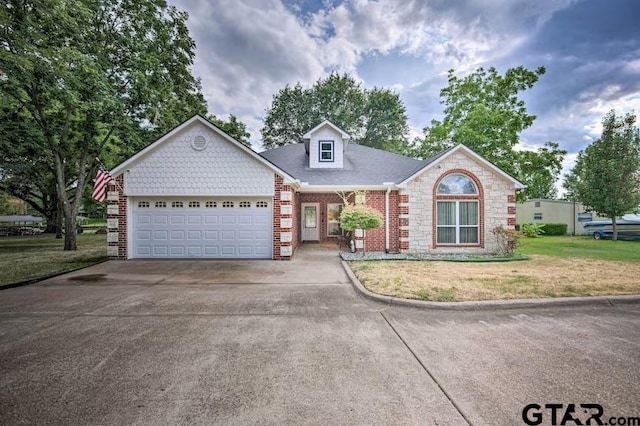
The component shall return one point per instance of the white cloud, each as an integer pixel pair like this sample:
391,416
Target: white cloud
247,50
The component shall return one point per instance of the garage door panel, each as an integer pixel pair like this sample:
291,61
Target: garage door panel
194,220
262,235
211,235
143,218
176,235
177,219
262,251
262,220
159,250
211,251
245,219
210,219
160,235
194,251
245,250
201,228
143,235
228,250
228,235
177,250
160,219
194,235
143,250
245,235
228,219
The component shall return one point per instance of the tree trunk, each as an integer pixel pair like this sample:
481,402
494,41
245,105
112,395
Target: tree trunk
70,241
59,219
615,229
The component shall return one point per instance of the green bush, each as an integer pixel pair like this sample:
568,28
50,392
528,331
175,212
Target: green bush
533,230
555,229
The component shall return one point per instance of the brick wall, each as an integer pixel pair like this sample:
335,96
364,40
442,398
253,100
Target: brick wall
375,238
323,199
117,220
283,217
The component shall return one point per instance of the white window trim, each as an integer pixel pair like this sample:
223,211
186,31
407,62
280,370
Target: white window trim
457,226
321,151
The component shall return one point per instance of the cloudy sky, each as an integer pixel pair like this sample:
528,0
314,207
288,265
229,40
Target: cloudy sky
249,49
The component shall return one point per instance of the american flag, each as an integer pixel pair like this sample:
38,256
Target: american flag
103,178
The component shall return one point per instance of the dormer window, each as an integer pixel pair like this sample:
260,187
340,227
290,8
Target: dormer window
326,151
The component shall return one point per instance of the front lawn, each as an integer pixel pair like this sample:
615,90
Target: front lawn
29,257
558,266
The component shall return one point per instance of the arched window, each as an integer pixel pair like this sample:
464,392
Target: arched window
457,211
457,184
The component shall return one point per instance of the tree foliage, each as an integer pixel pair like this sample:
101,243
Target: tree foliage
360,216
483,111
372,117
88,74
233,127
606,177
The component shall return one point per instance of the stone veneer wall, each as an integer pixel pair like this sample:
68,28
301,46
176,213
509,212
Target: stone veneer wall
498,205
283,217
117,220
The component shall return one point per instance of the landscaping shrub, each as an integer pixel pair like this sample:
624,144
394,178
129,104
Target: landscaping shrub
507,241
533,230
555,229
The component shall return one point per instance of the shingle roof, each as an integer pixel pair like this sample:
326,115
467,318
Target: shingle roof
362,166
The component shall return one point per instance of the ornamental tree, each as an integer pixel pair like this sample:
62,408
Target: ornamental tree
360,217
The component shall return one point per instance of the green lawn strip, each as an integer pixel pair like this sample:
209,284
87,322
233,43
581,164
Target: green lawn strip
582,247
31,257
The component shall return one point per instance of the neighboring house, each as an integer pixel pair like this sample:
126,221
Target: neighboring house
198,193
539,210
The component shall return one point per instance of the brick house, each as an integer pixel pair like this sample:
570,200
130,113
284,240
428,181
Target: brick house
198,193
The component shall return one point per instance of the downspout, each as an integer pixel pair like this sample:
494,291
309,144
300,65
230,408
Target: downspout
386,219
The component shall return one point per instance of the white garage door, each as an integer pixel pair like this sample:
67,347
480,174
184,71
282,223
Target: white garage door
202,228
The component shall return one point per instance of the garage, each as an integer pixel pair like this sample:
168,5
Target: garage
202,227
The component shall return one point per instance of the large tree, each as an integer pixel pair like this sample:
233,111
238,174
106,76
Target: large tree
373,117
606,177
89,73
233,127
484,112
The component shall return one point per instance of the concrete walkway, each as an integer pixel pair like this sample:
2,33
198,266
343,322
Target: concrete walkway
226,342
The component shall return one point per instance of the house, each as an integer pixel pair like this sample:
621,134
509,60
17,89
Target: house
198,193
538,210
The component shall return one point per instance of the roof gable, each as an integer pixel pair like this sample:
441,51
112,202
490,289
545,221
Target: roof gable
344,135
469,152
122,167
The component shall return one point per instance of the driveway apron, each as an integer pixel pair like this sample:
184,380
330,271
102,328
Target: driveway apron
208,342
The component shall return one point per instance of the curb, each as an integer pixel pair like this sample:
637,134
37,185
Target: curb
606,301
46,277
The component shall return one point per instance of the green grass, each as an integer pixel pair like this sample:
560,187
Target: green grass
582,247
30,257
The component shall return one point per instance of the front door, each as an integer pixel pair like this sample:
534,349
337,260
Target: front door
310,222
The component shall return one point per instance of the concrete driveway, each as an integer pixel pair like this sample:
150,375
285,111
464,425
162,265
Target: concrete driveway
262,342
